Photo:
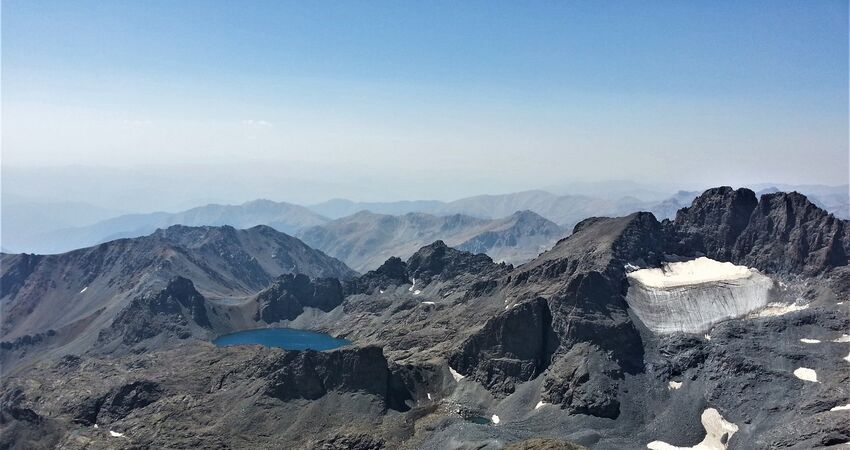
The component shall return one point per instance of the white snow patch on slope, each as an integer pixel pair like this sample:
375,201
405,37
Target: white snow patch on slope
697,271
843,338
810,341
495,419
428,303
840,407
84,289
429,396
715,428
806,374
539,404
417,292
777,309
692,296
410,289
457,376
673,385
115,434
847,358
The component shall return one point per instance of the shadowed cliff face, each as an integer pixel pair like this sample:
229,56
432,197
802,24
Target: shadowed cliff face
287,297
780,233
513,347
178,311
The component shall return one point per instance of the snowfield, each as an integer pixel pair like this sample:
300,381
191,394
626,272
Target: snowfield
692,296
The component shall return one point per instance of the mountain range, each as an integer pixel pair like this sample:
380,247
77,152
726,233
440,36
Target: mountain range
108,346
364,240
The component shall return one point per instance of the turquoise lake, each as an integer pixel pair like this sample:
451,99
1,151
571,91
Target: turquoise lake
285,338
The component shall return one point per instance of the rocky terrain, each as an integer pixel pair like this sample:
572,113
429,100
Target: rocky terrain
74,295
449,348
365,240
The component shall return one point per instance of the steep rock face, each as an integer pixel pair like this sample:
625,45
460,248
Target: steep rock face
178,311
290,294
310,374
780,233
440,262
583,277
116,403
788,233
715,219
17,269
513,347
393,272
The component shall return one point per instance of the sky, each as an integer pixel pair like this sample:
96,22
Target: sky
387,100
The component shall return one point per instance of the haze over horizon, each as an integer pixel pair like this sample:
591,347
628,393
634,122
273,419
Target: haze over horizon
387,101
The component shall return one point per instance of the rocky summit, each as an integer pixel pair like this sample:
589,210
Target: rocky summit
723,328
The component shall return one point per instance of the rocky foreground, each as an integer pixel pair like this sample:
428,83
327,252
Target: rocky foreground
451,350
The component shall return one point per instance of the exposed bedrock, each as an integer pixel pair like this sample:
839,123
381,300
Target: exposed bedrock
438,261
714,221
393,272
287,297
177,311
511,348
310,375
116,403
778,233
692,296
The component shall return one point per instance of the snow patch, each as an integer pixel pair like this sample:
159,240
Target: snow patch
429,396
806,374
84,289
115,434
381,291
95,425
457,376
410,289
840,408
539,404
428,303
777,309
417,292
673,385
495,419
697,271
810,341
843,338
847,358
716,428
707,337
692,296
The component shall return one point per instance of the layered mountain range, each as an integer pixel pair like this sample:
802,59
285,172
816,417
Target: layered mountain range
449,348
365,240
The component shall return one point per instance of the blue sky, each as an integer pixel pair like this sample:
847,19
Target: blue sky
540,92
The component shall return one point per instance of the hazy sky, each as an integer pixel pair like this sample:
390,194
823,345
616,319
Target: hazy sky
522,93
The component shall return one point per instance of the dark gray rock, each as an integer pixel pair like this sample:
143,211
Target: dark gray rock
510,348
287,297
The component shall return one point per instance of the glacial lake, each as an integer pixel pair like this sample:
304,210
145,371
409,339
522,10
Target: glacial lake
285,338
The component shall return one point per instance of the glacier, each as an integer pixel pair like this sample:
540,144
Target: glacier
691,296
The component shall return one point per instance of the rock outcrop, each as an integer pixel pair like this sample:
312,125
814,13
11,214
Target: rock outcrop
393,272
178,311
287,297
779,233
438,261
510,348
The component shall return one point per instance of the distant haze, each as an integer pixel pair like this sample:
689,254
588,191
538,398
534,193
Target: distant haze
141,106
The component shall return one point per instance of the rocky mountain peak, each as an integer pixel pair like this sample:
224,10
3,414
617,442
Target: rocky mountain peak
715,219
439,261
780,232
